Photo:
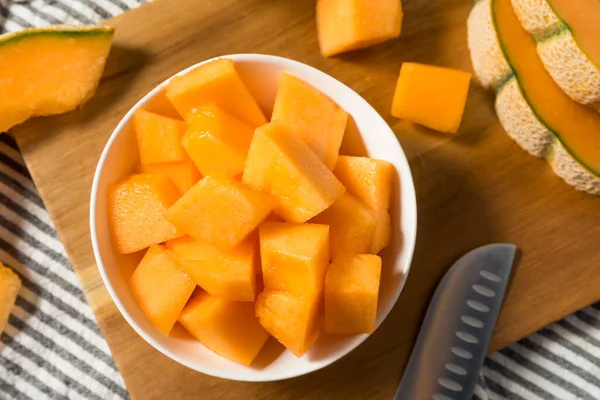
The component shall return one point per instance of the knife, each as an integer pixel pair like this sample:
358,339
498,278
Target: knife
458,327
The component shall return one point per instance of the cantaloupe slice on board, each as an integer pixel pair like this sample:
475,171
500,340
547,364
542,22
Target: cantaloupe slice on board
52,70
220,211
312,116
230,275
567,42
183,174
351,294
161,287
292,320
370,180
294,257
158,137
136,212
281,164
345,25
228,328
352,225
431,96
215,82
527,98
10,284
217,141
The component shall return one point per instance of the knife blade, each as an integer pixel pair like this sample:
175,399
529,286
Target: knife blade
458,327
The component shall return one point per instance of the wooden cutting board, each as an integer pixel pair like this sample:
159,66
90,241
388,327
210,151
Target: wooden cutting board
473,188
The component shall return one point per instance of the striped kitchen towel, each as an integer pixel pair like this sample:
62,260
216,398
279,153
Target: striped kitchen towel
53,349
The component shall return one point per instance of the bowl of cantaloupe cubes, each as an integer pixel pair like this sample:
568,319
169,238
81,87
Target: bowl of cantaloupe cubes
253,218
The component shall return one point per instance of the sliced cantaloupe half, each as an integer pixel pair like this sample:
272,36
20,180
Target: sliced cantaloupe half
52,70
566,32
533,109
10,283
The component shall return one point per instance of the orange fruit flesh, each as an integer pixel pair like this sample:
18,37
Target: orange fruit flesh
183,174
158,137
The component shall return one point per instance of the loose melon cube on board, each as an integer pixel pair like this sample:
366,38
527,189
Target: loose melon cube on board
228,328
136,212
215,82
220,211
183,174
311,116
230,275
10,284
292,320
217,142
370,180
351,294
345,25
294,257
352,225
281,164
431,96
158,137
161,287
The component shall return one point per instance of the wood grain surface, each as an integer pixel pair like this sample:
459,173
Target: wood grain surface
473,188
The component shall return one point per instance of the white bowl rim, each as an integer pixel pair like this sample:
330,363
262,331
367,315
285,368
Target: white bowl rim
408,183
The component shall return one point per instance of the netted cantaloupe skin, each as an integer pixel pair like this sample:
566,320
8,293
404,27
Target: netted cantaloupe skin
52,70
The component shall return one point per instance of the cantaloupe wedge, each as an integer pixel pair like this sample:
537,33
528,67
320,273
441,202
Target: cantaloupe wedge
228,328
158,137
10,284
567,42
52,70
345,25
312,116
183,174
528,98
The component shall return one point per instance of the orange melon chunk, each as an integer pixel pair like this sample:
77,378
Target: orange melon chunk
220,211
294,257
351,294
312,116
228,328
50,70
431,96
345,25
230,275
292,320
215,82
281,164
158,137
161,287
370,180
136,212
183,174
10,284
352,225
217,142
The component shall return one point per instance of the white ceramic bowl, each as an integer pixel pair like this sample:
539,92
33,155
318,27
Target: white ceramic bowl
261,74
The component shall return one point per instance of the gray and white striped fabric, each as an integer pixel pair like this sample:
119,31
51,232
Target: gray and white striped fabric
53,349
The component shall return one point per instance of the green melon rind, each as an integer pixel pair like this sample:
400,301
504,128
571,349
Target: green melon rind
67,31
568,64
516,114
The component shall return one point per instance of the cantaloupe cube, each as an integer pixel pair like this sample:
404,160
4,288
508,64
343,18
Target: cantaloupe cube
370,180
230,275
215,82
10,284
136,212
281,164
351,294
352,225
345,25
217,142
183,174
228,328
431,96
292,320
161,287
158,137
312,116
220,211
294,257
